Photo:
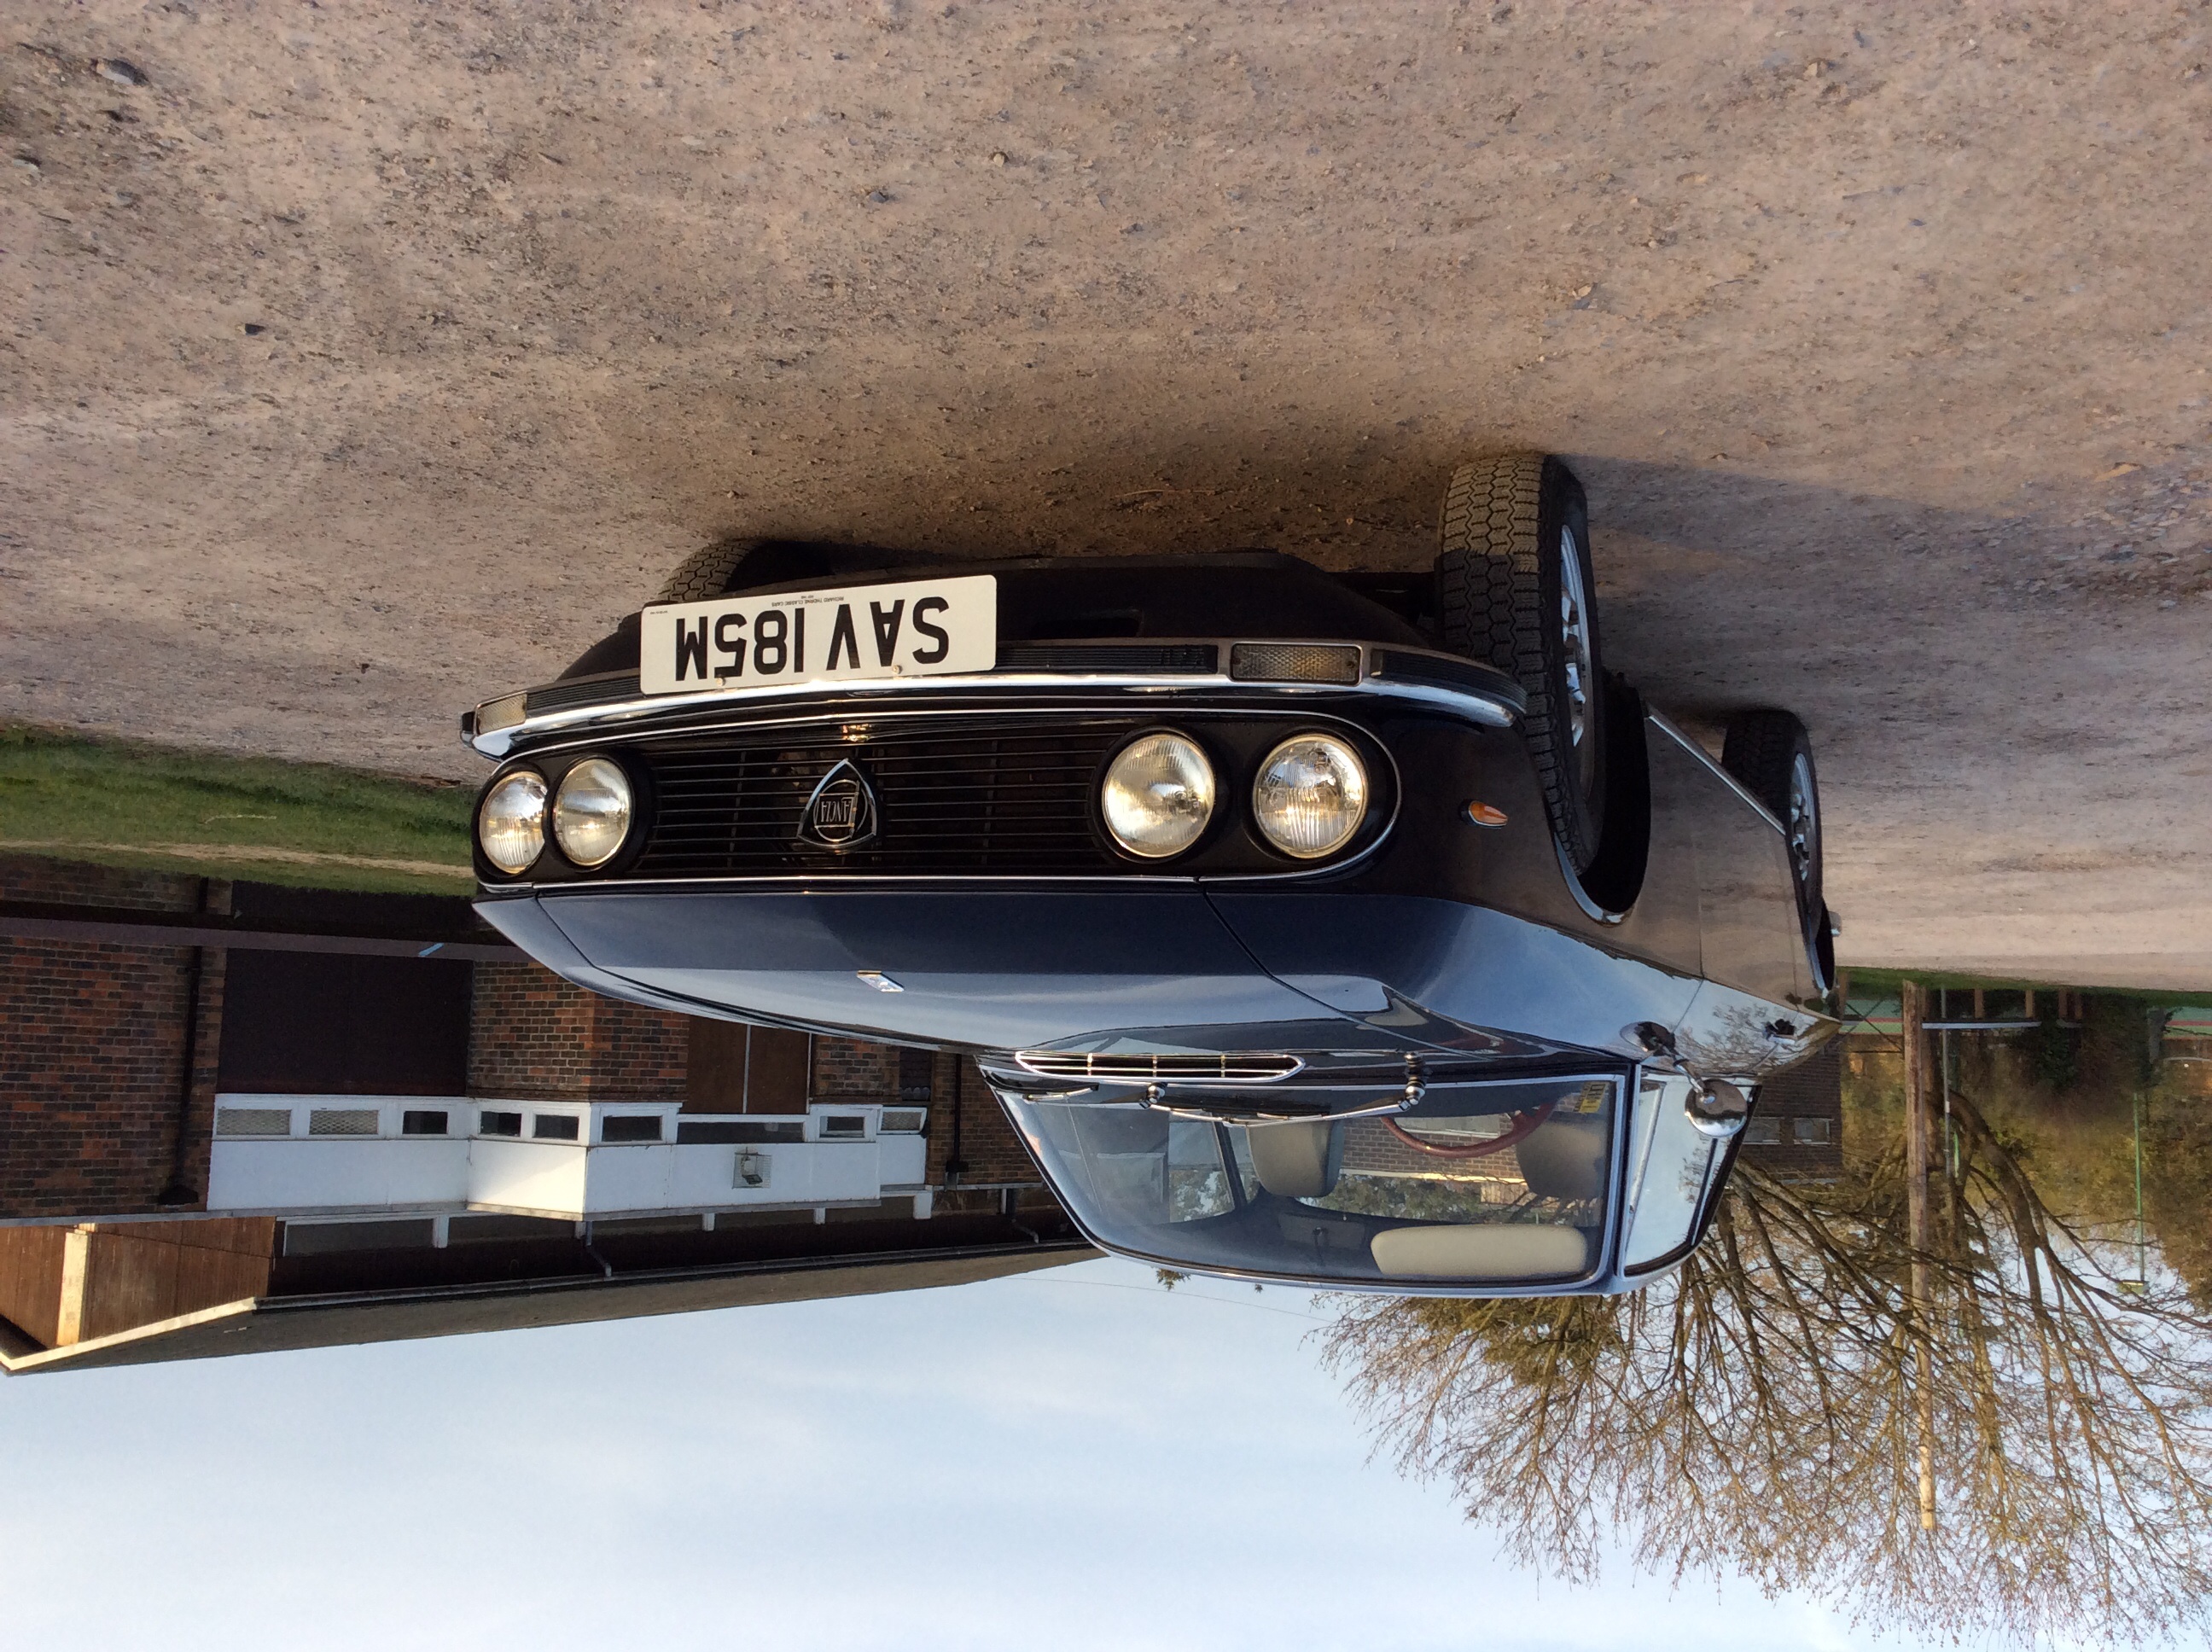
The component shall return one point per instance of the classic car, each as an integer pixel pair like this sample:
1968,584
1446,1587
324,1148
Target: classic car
1358,929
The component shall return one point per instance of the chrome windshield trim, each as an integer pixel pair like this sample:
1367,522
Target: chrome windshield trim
1492,706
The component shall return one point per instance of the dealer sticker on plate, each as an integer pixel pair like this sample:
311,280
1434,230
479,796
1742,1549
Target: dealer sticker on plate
917,628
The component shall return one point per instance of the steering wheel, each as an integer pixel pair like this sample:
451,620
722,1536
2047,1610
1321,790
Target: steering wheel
1523,1125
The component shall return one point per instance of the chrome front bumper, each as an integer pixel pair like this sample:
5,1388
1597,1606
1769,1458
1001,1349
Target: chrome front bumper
1459,687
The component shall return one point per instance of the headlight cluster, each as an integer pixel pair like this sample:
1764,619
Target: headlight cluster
591,815
1158,795
1308,798
1311,796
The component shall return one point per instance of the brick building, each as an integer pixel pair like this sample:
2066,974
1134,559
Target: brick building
134,1006
1798,1130
104,1047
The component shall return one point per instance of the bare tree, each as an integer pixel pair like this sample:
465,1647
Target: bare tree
1764,1412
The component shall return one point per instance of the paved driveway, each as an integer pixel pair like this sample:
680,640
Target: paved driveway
363,362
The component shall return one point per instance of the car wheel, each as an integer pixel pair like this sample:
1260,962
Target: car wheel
735,565
1514,588
707,572
1770,755
718,569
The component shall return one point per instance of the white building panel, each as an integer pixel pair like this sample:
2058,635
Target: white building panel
537,1178
631,1178
317,1174
266,1158
905,1162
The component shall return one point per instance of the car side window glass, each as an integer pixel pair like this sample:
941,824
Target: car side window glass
1146,1166
1525,1152
1125,1150
1239,1159
1668,1160
1198,1180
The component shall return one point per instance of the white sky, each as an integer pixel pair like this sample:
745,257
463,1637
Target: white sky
1068,1460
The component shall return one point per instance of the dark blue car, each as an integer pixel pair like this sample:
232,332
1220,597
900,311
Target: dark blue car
1354,929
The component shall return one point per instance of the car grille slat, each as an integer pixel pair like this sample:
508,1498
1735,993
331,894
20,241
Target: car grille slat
1228,1067
949,797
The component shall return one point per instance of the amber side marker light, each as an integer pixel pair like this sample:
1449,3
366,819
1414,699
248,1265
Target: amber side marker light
1483,815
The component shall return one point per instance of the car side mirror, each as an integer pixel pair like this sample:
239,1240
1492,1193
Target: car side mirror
1717,1108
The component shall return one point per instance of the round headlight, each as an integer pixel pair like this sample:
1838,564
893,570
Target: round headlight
1310,795
591,811
511,822
1158,795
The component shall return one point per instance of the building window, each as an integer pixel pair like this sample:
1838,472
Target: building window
253,1121
416,1121
844,1126
739,1130
498,1124
916,1075
1762,1133
1814,1132
553,1126
341,1121
628,1126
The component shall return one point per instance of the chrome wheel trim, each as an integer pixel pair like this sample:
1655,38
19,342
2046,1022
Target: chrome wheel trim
1803,825
1575,647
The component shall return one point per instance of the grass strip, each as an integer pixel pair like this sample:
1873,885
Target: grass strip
124,802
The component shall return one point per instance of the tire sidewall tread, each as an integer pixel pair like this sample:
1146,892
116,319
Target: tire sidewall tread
707,572
1761,749
1497,595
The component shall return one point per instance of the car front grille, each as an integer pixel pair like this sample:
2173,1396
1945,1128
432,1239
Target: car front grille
951,795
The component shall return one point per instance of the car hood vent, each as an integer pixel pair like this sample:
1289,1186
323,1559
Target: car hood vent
1236,1067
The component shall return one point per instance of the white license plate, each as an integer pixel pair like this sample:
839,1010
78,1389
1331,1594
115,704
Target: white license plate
923,628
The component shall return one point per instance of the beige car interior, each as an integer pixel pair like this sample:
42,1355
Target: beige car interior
1296,1161
1482,1251
1565,1160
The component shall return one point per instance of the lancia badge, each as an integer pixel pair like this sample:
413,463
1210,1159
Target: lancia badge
841,813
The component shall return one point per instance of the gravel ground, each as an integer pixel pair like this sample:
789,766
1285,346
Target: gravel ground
363,362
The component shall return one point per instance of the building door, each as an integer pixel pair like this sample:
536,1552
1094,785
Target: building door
734,1068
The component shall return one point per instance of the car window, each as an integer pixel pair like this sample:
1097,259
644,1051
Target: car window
1198,1179
1149,1167
1499,1180
1468,1167
1668,1161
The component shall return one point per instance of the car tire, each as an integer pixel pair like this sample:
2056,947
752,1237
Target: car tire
1513,589
731,565
707,572
704,574
735,565
1770,755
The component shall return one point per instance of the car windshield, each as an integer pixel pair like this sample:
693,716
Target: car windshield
1494,1183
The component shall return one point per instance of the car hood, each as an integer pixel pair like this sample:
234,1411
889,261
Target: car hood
999,971
1161,969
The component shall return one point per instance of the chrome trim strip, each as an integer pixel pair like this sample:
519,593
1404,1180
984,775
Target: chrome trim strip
1125,1069
1494,709
1665,725
738,724
1591,909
